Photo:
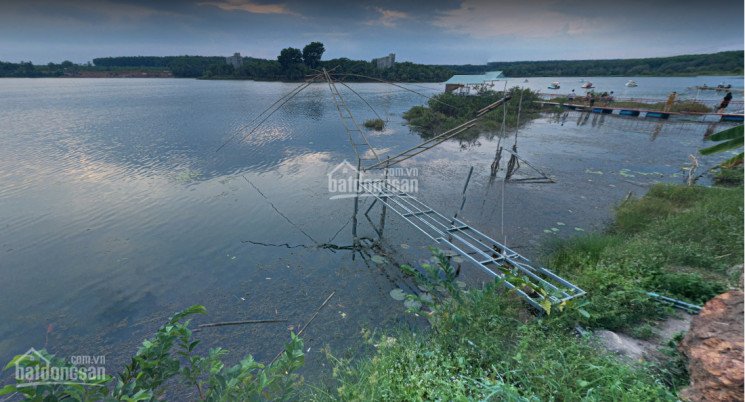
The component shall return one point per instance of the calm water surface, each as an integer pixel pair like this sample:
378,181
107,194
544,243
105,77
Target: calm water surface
116,209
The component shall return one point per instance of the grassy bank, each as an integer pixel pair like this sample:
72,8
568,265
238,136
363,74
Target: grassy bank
678,241
683,242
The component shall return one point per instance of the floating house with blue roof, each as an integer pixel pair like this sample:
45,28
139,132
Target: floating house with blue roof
469,81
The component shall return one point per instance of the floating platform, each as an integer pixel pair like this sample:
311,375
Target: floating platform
653,114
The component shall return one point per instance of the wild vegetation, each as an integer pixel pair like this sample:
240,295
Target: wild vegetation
375,124
722,63
678,241
447,110
169,356
731,138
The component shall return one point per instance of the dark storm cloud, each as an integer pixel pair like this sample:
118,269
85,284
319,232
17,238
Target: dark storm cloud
468,31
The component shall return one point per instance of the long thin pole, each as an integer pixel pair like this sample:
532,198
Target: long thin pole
462,202
306,324
356,203
463,195
383,199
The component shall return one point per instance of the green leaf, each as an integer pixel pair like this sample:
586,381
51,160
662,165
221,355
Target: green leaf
195,309
583,313
7,389
728,134
546,304
734,161
730,144
398,294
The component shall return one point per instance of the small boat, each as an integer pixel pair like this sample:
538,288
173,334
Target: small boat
554,85
632,84
587,85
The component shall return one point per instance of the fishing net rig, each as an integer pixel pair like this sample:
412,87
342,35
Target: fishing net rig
540,287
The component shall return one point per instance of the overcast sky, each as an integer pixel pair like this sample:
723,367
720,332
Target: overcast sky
436,31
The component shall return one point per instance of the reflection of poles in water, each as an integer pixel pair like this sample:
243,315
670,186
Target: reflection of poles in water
595,119
498,153
656,131
710,129
513,164
495,162
601,121
355,240
463,199
384,207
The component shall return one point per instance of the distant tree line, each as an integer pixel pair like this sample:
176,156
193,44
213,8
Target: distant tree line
291,64
294,64
723,63
28,69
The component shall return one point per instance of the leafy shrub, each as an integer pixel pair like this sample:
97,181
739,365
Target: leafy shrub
170,354
483,346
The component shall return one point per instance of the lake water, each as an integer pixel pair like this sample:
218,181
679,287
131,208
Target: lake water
117,210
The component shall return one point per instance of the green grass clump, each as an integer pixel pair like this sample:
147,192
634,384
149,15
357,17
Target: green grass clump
448,110
485,347
729,177
678,241
375,124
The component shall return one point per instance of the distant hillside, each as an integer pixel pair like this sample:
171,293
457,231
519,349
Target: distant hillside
723,63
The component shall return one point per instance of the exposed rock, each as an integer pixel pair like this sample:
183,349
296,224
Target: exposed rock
623,345
644,349
714,347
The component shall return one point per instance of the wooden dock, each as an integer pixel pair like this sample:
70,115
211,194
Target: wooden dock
638,112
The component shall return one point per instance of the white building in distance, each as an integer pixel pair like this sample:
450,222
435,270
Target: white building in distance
385,62
235,60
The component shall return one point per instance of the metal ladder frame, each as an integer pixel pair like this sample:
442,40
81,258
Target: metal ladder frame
494,258
346,115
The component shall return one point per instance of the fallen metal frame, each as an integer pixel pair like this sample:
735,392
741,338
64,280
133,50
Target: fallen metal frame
492,257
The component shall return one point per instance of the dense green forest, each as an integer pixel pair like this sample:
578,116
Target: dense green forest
294,64
722,63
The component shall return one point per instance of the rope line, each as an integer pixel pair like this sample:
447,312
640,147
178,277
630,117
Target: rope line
286,99
279,212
